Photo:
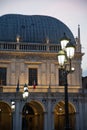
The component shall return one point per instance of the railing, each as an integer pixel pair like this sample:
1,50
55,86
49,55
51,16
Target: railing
13,46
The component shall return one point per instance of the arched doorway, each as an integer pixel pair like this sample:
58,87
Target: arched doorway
59,116
5,116
32,116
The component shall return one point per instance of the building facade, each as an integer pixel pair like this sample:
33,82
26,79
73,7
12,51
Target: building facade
29,47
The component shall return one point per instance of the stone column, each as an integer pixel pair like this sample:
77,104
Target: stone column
18,116
83,111
20,122
77,122
49,115
80,116
52,120
45,121
13,120
85,116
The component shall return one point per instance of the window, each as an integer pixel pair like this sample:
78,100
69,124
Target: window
61,78
33,76
3,73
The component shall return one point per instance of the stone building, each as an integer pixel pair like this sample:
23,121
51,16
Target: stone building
29,47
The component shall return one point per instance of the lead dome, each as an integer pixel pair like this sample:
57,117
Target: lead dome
32,29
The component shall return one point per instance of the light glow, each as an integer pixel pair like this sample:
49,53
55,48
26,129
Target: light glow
25,93
61,57
13,105
64,43
70,52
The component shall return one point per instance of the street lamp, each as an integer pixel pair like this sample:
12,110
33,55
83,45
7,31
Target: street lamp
25,96
13,105
25,93
13,109
64,59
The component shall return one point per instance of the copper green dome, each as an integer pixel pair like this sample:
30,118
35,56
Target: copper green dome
32,28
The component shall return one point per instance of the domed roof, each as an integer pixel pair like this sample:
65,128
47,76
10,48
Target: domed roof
32,28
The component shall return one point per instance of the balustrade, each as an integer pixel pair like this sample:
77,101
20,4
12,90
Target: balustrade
13,46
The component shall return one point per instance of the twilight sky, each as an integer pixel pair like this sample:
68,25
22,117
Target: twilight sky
70,12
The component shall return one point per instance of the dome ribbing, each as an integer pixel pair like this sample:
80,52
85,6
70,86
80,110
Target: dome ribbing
32,28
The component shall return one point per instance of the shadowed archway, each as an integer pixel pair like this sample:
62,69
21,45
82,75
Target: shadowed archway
32,116
5,116
59,116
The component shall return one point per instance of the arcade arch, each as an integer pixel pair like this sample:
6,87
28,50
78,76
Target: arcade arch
33,116
5,116
59,116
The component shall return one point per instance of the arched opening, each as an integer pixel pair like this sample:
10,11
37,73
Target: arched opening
32,116
5,116
59,116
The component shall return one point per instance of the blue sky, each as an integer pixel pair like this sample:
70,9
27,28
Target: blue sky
71,12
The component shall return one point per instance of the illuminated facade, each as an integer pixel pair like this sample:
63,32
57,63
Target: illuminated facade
29,47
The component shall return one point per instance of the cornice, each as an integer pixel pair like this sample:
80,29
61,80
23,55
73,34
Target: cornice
27,62
5,61
28,55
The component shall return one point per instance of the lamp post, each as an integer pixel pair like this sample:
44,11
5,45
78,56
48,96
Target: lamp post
25,96
64,59
13,109
25,93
